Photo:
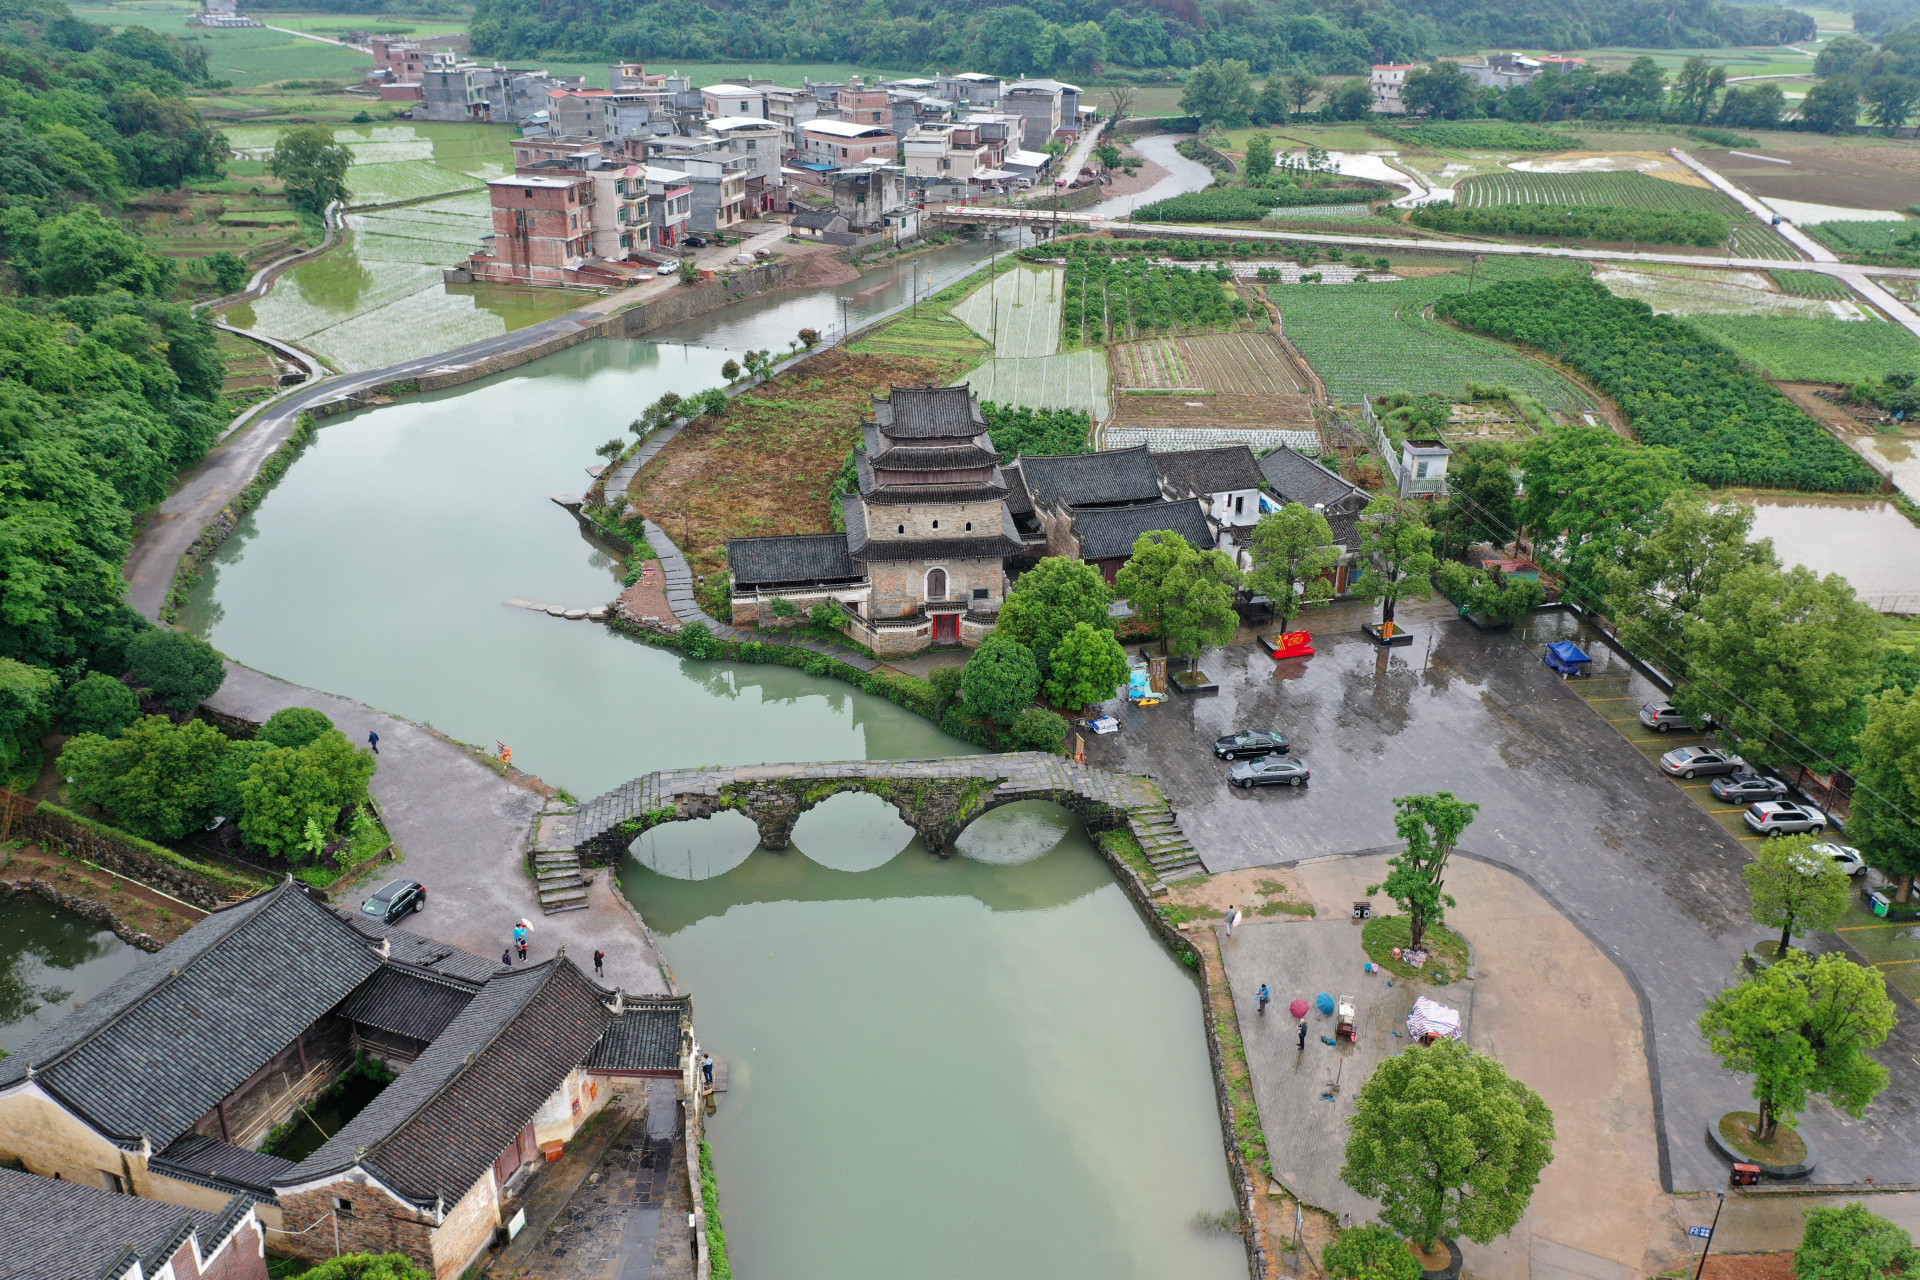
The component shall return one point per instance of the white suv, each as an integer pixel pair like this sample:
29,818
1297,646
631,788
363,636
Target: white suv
1779,818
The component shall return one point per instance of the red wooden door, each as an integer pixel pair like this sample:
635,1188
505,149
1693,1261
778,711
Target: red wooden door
946,628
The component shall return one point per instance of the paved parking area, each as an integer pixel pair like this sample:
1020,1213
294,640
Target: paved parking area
1565,800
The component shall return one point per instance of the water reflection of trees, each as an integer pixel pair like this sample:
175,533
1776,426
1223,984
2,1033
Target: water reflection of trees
36,939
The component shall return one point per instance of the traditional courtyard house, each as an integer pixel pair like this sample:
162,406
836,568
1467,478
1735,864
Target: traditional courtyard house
1092,506
1227,481
166,1085
1293,477
54,1228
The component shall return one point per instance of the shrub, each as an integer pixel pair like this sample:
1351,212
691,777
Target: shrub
946,684
292,798
1036,729
697,640
1000,680
1578,222
156,778
293,727
1372,1252
179,670
99,704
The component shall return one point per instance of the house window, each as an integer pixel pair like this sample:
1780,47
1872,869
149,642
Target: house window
936,584
936,524
900,528
980,593
1240,505
342,1205
113,1182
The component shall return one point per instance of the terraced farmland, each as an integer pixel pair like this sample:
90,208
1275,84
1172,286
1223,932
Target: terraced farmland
1624,190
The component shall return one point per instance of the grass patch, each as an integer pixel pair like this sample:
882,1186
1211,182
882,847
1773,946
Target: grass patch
1491,135
1279,902
1180,913
1810,284
1123,846
722,1267
1786,1148
1446,950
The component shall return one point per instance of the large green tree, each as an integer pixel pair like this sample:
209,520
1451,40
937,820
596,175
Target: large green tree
1665,570
1480,506
1441,90
1448,1142
1051,599
367,1266
294,727
1259,162
1292,552
1694,89
1431,826
179,670
1781,658
82,252
1796,889
1833,105
156,779
1147,580
1220,93
1801,1026
98,704
1396,554
1849,1242
1588,496
292,793
1890,99
1197,610
1000,680
1886,795
312,165
1088,667
26,704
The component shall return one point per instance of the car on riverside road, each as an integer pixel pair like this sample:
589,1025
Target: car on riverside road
1688,761
395,900
1250,743
1775,818
1745,786
1269,771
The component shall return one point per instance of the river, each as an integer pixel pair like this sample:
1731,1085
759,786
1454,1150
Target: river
984,1065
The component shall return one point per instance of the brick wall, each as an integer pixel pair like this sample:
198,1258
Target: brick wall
239,1258
900,586
371,1222
467,1230
932,519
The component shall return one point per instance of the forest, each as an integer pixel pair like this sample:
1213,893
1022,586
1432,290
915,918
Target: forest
1086,37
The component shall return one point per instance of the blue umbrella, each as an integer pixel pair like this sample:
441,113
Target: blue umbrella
1324,1002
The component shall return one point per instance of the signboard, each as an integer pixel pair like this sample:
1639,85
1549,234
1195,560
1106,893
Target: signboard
1363,911
1704,1233
516,1224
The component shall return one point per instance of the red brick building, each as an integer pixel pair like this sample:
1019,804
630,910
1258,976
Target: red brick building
542,229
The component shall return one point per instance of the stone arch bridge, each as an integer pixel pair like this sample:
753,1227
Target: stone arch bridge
936,797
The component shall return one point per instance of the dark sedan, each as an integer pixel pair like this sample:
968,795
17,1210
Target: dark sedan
1745,788
1250,743
1269,771
396,899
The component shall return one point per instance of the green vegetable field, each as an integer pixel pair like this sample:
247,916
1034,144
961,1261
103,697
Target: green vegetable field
1111,298
1794,349
1484,135
1246,204
1624,191
1677,386
1862,237
1578,222
1810,284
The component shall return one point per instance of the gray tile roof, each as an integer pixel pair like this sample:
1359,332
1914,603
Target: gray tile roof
1106,533
1019,501
926,413
1297,478
235,1168
434,1131
1195,473
151,1055
820,220
407,1004
969,491
646,1037
415,950
803,558
1091,479
56,1230
862,546
942,453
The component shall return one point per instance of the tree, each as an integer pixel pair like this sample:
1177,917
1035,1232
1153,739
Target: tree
1292,551
1301,89
156,778
1371,1252
1832,106
1801,1026
1353,100
1050,600
1848,1242
235,764
1122,96
1587,495
1037,729
82,252
1197,606
1796,889
1431,826
290,788
230,270
1271,107
1890,100
1259,157
1663,572
1109,156
1143,579
1481,507
1088,665
26,703
1442,91
1219,93
1886,795
312,165
1395,553
367,1266
1781,658
1010,39
179,670
1000,679
293,727
98,703
730,370
1753,107
1694,90
689,271
1448,1142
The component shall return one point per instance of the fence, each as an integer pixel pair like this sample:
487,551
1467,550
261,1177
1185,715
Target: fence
1404,480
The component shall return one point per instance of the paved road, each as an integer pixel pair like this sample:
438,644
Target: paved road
1794,235
1566,801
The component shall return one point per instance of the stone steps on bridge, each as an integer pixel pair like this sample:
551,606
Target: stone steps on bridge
1169,852
560,882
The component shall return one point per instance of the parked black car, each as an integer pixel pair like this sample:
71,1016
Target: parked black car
1249,743
394,900
1745,787
1269,771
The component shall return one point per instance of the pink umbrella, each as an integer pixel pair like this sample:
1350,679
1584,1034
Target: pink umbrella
1299,1008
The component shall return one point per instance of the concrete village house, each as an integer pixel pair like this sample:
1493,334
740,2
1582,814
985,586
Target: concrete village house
166,1085
941,518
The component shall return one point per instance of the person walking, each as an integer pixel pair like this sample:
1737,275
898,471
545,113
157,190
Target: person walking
522,944
599,964
1302,1046
506,957
373,740
1265,996
1233,919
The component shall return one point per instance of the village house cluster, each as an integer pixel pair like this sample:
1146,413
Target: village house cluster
608,184
941,518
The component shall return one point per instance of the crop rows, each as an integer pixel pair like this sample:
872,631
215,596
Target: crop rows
1077,380
1151,362
1794,349
1627,191
1862,237
1811,284
1019,311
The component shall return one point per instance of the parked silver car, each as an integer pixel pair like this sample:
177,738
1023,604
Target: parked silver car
1688,761
1268,771
1845,856
1662,716
1778,818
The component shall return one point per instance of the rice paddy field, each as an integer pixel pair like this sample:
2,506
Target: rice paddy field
400,162
1684,291
247,57
1374,339
1795,349
1752,239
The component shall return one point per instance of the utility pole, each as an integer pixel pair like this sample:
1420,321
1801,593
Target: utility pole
1708,1246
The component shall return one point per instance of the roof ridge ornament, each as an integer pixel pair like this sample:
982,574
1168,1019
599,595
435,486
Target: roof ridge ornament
385,949
617,1005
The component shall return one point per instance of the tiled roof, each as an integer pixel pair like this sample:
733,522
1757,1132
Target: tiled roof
57,1230
236,1168
1194,473
1092,479
807,557
1298,478
417,951
863,547
925,413
1019,501
151,1054
1109,532
820,219
407,1004
968,491
432,1132
646,1037
946,453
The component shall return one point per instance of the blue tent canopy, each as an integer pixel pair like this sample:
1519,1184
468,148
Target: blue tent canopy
1568,651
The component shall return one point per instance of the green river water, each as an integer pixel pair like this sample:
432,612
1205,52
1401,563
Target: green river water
978,1066
50,960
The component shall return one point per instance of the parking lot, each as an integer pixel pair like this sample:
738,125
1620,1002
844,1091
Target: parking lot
1567,800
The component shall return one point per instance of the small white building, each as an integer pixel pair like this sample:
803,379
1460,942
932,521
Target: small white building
1423,466
1387,80
726,101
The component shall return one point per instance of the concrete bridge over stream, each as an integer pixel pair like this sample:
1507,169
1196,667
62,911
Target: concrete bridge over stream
936,797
